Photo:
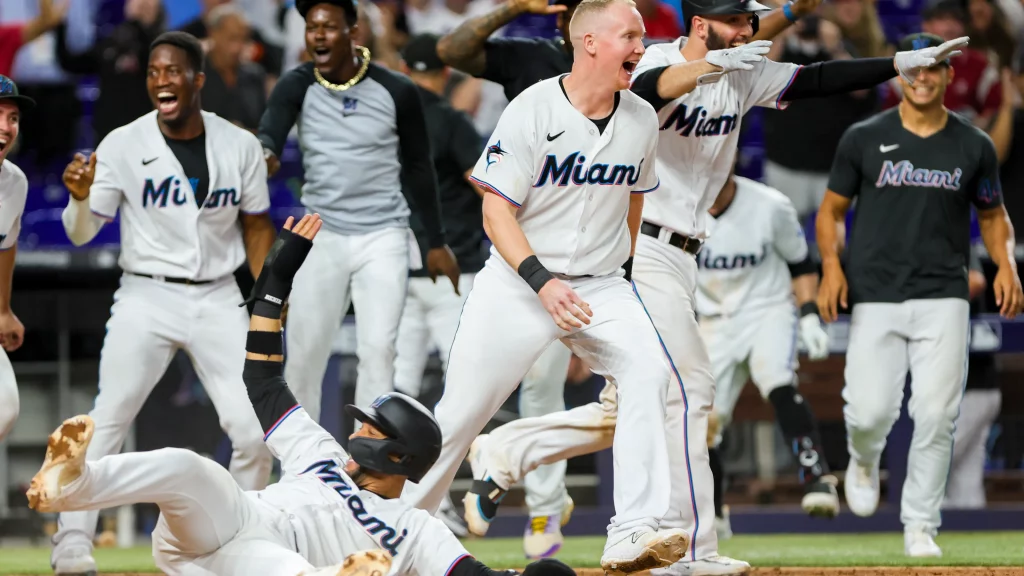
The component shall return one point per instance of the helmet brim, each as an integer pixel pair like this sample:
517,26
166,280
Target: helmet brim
368,416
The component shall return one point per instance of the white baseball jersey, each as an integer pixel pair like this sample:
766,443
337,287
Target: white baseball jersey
744,264
570,181
333,518
700,133
13,192
163,231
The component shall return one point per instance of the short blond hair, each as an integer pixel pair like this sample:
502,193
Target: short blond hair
588,8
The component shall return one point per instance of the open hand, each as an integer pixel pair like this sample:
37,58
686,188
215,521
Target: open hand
79,174
832,292
910,62
567,309
308,226
442,261
1007,290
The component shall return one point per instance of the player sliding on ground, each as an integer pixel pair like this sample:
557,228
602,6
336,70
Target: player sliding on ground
329,509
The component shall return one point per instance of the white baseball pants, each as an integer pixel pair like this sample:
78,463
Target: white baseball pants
149,321
504,330
9,403
368,270
965,487
757,344
208,526
665,278
928,337
429,320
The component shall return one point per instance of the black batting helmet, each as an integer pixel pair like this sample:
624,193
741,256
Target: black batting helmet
413,435
693,8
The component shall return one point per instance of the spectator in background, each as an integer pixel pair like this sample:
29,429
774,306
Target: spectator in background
660,20
268,55
39,77
442,16
15,35
989,32
799,161
860,26
119,60
979,407
235,89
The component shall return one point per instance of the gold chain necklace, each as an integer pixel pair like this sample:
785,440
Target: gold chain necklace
364,54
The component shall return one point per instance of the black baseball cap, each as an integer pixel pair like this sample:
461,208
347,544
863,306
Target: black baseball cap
9,91
922,40
420,53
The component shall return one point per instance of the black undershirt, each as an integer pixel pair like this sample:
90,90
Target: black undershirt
191,154
601,123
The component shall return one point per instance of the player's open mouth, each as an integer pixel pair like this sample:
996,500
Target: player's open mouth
629,67
167,103
3,143
321,54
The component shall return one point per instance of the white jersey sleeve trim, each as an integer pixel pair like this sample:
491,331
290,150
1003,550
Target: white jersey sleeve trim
281,421
781,104
494,190
656,186
455,563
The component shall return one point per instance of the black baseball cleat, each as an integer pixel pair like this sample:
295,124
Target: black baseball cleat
821,499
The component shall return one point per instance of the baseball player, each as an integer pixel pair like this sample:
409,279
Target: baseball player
701,86
331,508
916,171
364,144
13,192
516,64
191,188
563,212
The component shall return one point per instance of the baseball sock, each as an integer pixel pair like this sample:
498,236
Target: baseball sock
490,496
800,429
719,478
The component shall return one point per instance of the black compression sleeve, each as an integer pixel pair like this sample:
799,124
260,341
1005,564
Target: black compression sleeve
470,566
838,77
646,86
268,392
419,180
283,107
805,266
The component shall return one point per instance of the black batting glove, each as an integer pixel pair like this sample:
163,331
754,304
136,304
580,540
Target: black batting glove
283,261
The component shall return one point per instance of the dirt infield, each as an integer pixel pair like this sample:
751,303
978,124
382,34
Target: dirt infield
830,571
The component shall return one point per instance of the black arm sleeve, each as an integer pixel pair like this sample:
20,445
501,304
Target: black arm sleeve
83,63
268,392
419,178
470,566
283,107
805,266
839,77
646,86
503,58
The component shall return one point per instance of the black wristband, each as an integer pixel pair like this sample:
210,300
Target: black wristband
535,274
628,267
267,310
809,308
260,342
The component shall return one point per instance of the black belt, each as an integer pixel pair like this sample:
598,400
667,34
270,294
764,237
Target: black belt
174,280
684,243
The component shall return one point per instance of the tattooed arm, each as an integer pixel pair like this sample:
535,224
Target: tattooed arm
463,48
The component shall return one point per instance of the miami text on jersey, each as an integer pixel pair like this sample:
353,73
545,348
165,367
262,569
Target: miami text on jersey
157,195
698,123
709,261
327,472
903,173
559,172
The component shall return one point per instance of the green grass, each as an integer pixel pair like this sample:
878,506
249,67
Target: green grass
959,549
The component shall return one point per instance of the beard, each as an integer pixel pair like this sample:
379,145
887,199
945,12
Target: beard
714,41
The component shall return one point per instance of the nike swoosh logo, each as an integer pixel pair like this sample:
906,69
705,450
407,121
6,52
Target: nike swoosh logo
883,148
146,162
550,137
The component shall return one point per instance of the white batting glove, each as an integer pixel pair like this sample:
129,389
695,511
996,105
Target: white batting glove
732,59
910,62
814,337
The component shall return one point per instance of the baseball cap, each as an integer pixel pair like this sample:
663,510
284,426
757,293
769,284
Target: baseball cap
922,40
9,91
420,53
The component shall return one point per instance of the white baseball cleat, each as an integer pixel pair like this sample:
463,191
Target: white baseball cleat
64,463
543,535
481,502
75,561
644,549
821,499
861,488
919,544
368,563
710,566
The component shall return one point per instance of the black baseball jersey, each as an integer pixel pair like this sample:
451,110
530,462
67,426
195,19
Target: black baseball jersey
912,222
455,145
518,63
